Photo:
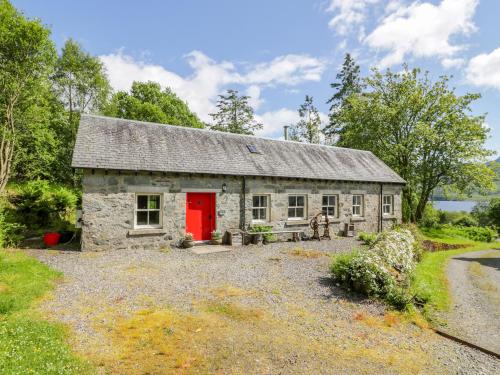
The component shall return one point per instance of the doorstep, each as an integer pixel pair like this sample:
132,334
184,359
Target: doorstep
210,249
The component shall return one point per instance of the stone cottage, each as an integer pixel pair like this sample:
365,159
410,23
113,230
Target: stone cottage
147,185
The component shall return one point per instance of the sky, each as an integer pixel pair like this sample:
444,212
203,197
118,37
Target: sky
278,51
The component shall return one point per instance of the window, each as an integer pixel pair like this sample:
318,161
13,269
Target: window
260,208
296,206
253,149
329,205
387,204
148,210
357,205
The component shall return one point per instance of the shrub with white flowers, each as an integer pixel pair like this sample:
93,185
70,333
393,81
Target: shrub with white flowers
381,270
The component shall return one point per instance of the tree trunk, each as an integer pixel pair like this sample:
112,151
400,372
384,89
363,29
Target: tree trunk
6,146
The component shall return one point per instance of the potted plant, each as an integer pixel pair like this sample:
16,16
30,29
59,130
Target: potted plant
188,240
216,237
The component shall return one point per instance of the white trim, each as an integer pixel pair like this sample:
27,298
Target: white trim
391,205
361,205
335,206
293,218
267,208
159,210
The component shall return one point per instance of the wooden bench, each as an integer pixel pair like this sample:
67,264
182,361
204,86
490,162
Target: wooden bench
295,233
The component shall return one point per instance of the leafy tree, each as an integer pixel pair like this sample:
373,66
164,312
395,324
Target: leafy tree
26,59
421,129
488,213
148,102
80,80
349,82
234,114
307,129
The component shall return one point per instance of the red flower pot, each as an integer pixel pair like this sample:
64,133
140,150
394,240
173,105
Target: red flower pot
51,238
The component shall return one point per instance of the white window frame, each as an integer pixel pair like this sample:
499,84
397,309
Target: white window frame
335,205
266,208
159,210
304,207
360,205
389,205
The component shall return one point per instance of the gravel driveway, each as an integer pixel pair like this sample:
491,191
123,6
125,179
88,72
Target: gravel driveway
475,285
265,310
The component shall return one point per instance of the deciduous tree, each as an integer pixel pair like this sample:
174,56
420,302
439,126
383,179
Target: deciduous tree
148,102
307,129
423,130
26,58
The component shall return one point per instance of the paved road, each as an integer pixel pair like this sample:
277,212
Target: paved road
475,286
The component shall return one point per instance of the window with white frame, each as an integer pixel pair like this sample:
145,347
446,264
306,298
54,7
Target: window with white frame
260,208
388,204
357,205
148,210
329,205
296,207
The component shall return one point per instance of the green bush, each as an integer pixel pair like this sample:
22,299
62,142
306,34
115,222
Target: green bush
11,232
430,217
263,229
367,238
466,221
41,205
480,234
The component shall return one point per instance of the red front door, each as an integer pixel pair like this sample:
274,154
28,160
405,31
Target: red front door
200,215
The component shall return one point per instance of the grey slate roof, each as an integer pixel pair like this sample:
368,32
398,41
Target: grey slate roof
119,144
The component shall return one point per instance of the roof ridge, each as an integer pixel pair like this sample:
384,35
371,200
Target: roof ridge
226,133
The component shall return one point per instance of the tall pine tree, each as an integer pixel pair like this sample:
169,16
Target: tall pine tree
349,82
234,114
307,129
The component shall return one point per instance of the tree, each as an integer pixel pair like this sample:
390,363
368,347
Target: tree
234,114
349,83
148,102
307,129
26,59
82,86
423,130
80,80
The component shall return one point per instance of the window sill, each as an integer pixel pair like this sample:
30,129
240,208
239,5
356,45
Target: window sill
358,218
297,222
146,231
388,217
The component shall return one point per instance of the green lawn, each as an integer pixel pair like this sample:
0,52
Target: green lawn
29,344
429,278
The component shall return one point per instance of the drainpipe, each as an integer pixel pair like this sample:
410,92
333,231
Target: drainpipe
285,132
243,203
380,227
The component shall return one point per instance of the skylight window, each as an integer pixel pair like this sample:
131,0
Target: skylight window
253,149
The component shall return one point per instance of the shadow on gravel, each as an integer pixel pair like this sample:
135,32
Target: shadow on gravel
337,292
487,262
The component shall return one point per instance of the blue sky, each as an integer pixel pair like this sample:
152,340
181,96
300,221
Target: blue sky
279,51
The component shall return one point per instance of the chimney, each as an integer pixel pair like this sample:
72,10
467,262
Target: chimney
285,131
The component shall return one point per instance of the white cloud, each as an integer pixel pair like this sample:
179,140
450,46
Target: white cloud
484,69
286,70
422,29
348,14
210,78
274,121
449,63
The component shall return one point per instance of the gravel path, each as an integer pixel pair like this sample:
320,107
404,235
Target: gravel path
475,285
288,282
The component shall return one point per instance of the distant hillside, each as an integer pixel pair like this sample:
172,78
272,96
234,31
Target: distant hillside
439,196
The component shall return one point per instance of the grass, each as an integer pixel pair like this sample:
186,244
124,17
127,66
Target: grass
430,281
302,253
29,344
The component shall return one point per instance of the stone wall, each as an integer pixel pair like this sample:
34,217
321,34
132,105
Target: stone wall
109,199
